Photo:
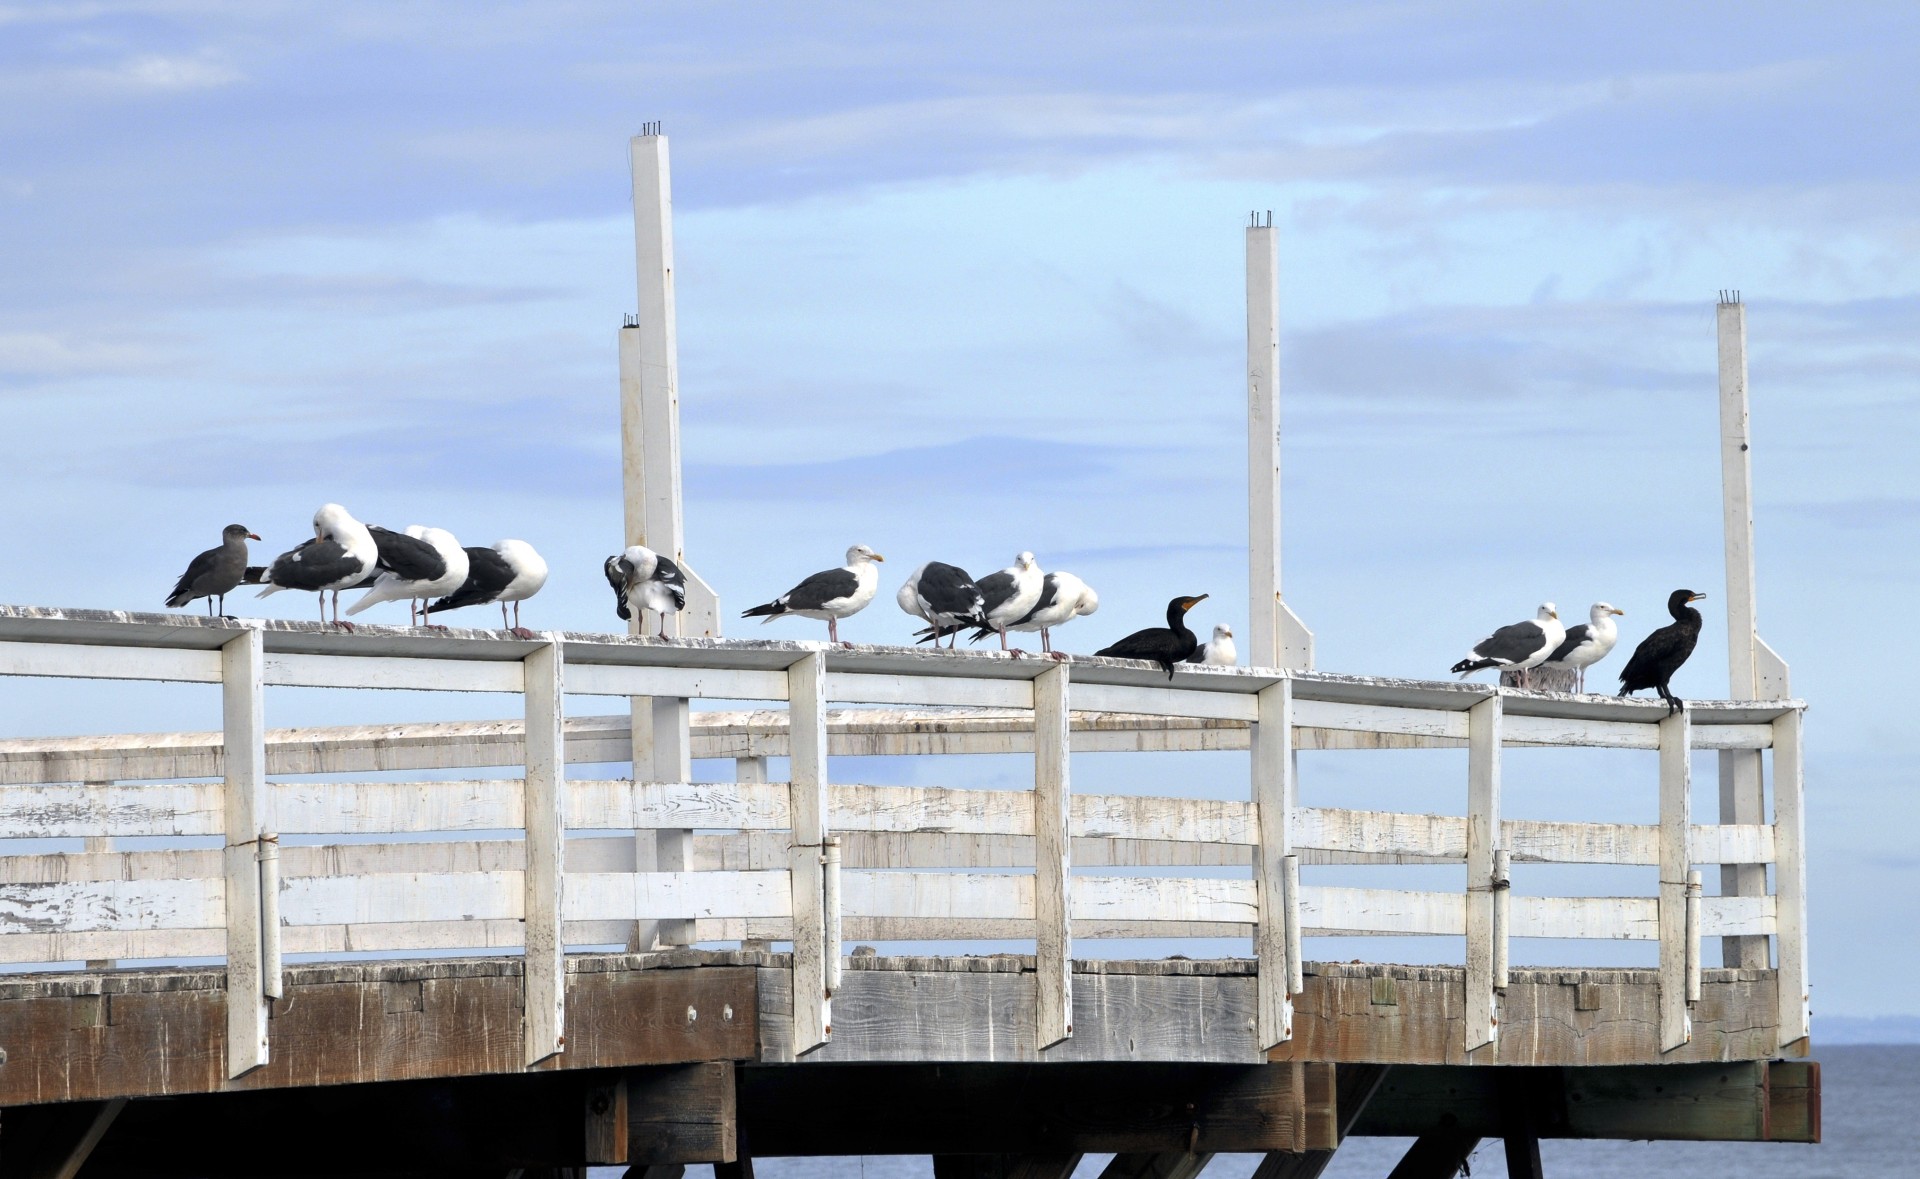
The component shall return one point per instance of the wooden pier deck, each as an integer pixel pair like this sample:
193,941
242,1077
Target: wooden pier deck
535,1051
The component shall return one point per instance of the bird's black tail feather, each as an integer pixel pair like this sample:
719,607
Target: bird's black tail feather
766,610
1469,666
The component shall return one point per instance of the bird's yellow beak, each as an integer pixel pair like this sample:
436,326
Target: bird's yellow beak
1621,613
878,557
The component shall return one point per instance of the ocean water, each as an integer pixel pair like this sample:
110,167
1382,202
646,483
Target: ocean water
1871,1126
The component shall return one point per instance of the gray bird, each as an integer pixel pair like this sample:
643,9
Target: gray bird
211,574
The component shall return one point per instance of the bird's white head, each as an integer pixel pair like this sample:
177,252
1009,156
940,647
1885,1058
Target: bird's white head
1026,561
1601,610
328,519
860,554
1546,611
1222,631
1089,601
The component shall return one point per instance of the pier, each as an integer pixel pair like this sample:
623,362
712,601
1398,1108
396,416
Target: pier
673,1051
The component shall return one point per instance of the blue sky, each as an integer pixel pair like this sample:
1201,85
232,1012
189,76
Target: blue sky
987,266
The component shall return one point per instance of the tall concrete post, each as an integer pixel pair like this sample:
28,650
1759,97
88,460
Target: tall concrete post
650,463
1276,637
1754,672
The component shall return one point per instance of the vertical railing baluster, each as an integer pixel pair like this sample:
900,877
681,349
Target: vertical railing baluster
1273,803
1484,724
544,1022
244,753
807,798
750,769
1676,809
1052,854
1502,916
1790,878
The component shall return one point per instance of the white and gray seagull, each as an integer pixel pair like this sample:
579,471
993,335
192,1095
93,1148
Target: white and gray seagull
1011,594
645,580
830,595
1219,650
1063,598
417,566
509,571
340,556
1587,644
945,596
1518,647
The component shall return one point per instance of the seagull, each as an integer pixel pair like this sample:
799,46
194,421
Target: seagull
340,555
1587,644
945,596
1011,594
1217,651
832,594
419,565
510,571
1518,647
211,574
1063,597
643,578
1661,653
1166,645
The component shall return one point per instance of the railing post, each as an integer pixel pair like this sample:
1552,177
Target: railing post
751,769
1483,839
244,746
98,845
545,1021
1790,877
1052,855
1273,804
1676,799
807,797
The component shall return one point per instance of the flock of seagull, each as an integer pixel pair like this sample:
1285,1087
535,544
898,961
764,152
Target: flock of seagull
417,566
429,570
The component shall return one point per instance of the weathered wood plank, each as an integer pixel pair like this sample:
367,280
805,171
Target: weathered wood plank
243,709
808,802
1052,877
1485,722
683,1114
1542,1021
1676,802
1272,789
159,1034
286,669
543,881
1789,817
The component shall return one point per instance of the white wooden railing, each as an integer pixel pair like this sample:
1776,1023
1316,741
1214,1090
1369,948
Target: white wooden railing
808,861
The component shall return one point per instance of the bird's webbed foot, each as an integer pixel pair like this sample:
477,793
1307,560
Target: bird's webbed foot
520,632
346,626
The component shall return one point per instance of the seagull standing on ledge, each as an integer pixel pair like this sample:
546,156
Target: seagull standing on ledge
1587,644
1011,593
1063,598
1519,647
340,556
643,579
211,574
418,565
830,595
1217,651
945,596
510,571
1661,653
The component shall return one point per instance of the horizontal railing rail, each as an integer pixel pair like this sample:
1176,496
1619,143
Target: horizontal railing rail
304,868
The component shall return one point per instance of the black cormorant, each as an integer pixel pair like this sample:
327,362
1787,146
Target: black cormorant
1661,653
1166,645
